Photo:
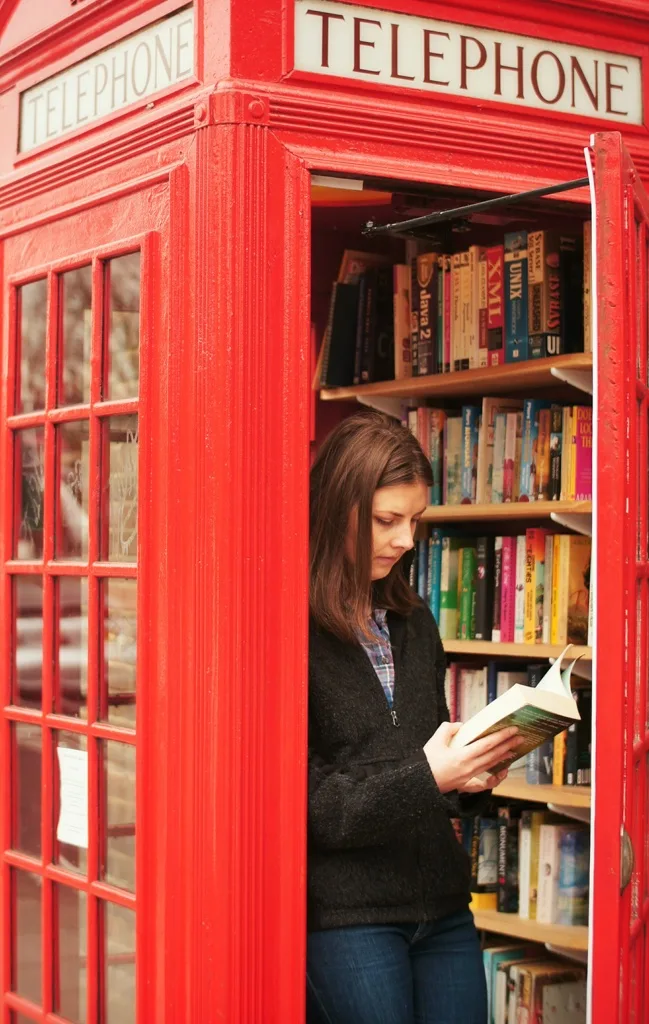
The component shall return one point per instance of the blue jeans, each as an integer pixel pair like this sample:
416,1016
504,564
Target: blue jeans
397,974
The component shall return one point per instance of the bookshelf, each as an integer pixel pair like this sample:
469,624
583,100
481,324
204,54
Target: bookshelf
533,376
488,649
506,511
560,936
514,788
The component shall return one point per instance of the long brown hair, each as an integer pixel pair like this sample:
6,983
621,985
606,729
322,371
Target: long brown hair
364,452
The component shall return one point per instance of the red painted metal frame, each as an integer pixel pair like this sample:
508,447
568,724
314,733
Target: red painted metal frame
224,171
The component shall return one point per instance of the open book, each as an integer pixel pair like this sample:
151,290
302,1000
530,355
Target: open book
539,712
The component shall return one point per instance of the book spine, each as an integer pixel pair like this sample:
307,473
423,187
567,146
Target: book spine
451,691
487,867
571,759
556,445
588,269
497,589
484,588
548,576
369,326
573,453
465,311
548,874
422,569
439,334
524,864
507,861
584,454
574,880
492,680
483,341
360,328
470,414
473,325
495,305
427,290
423,429
572,285
562,569
456,311
467,573
508,590
509,462
526,457
529,618
402,337
519,620
435,543
448,590
448,315
559,759
516,331
543,461
535,264
566,448
414,317
437,417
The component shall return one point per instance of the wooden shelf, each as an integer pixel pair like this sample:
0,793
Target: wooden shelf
514,788
504,511
534,375
564,936
485,648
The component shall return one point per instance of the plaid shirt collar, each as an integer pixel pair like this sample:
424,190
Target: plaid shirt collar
379,651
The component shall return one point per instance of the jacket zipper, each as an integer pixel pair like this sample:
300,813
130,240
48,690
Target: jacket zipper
395,720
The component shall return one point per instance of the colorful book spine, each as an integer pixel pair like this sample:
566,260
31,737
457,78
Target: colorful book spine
547,589
584,453
534,584
465,311
483,342
559,749
484,588
566,452
498,470
448,315
453,461
435,572
425,300
543,460
456,311
556,445
516,287
545,294
508,828
508,591
436,448
495,257
470,418
448,588
497,591
509,462
574,877
450,691
519,614
530,453
466,596
473,325
439,334
402,328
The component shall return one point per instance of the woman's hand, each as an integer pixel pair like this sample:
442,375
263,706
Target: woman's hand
457,767
478,786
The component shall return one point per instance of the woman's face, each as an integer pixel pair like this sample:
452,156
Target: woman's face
395,514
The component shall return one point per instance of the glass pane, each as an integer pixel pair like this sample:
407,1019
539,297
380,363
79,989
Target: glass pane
26,815
118,638
122,360
71,684
30,468
27,688
33,320
26,954
76,291
119,505
119,795
72,452
71,970
119,967
71,801
18,1018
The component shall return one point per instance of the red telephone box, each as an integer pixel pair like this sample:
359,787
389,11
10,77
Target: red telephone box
156,233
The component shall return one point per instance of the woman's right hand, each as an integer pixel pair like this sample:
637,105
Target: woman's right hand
454,767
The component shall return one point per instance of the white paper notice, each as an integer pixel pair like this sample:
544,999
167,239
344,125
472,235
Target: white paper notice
73,799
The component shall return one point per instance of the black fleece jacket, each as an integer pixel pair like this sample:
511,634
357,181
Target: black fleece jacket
382,849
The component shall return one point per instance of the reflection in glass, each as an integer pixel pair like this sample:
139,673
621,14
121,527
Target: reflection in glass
72,445
26,954
119,505
71,684
70,841
27,789
71,968
119,781
76,291
33,320
30,463
27,688
122,359
118,638
119,967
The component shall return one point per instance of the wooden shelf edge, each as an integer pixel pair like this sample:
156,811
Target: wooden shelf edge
491,650
564,796
533,373
507,510
564,936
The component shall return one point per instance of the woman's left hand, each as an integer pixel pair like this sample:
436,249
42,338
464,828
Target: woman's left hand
476,785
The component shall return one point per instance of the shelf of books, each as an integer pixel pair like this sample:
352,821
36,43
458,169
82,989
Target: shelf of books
480,342
560,936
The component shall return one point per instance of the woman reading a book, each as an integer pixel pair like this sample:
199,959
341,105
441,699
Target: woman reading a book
391,939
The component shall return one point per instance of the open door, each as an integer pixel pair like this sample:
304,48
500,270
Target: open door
620,895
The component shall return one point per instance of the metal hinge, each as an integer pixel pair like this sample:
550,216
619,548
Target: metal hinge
627,860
